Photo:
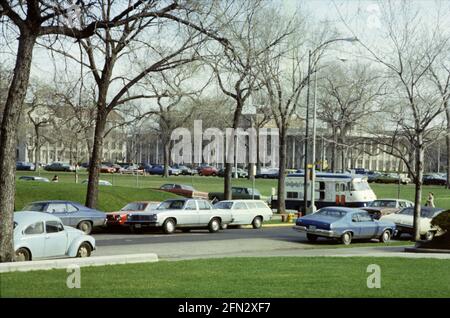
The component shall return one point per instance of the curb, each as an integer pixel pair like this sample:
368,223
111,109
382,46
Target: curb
81,262
270,225
426,250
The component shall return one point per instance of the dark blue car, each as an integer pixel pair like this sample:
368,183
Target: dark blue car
344,224
27,166
159,170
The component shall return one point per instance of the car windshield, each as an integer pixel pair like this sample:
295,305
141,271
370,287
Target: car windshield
332,213
223,205
383,204
360,186
174,205
135,206
34,207
426,213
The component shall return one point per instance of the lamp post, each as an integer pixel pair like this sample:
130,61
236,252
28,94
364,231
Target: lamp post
306,166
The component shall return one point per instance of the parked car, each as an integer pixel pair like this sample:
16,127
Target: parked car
236,193
100,182
107,169
71,213
207,171
33,178
372,176
59,166
241,173
243,212
181,213
184,190
25,166
345,224
120,217
270,173
382,207
131,169
159,170
392,178
185,170
434,179
38,236
404,221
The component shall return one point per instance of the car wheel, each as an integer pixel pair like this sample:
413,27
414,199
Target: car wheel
346,238
428,236
311,237
398,235
257,222
85,227
169,226
84,250
385,236
22,255
214,226
214,174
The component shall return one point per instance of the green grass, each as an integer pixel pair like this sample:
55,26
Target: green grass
242,277
129,188
110,198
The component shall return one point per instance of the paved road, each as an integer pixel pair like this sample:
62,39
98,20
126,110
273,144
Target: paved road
274,241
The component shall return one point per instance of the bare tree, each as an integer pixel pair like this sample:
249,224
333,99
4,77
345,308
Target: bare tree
235,67
412,48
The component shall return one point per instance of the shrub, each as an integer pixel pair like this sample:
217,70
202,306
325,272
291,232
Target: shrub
442,221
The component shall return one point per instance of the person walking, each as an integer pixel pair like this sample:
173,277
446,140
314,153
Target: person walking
430,200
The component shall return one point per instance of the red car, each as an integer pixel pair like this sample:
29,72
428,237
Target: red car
184,190
107,169
208,171
120,217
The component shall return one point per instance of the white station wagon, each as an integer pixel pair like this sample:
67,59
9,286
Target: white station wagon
244,212
40,235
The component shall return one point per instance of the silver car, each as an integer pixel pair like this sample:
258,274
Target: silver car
181,213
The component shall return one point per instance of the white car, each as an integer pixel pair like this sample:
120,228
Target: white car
404,221
100,182
40,235
244,212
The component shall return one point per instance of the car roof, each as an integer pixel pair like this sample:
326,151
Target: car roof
56,201
242,200
32,216
343,209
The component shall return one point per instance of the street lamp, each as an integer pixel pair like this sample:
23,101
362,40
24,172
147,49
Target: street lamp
306,165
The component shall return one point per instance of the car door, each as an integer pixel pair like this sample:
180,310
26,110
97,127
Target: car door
59,210
204,212
74,214
55,239
368,228
241,213
189,214
34,237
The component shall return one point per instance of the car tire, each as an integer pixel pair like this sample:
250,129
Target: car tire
428,236
257,222
385,236
214,225
311,237
22,255
346,238
84,250
169,226
398,235
85,227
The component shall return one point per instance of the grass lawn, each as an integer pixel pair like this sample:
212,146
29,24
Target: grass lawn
110,198
242,277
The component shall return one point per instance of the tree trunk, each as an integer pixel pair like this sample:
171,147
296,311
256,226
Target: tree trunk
418,188
281,195
251,168
447,139
166,158
96,158
8,142
37,148
334,154
258,162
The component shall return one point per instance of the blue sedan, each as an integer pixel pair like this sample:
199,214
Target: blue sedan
159,170
344,224
40,235
71,213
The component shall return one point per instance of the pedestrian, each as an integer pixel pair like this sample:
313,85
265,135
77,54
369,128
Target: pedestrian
55,178
430,200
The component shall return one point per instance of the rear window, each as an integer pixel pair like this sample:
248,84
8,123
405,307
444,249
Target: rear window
261,205
35,207
332,213
223,205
